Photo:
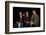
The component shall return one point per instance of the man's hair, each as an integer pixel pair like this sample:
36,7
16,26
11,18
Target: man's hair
34,10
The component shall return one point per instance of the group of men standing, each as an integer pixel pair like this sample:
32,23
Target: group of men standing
26,21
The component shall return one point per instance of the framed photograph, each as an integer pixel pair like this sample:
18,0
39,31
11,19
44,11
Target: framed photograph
24,17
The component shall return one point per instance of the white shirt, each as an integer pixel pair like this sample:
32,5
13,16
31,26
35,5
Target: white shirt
19,25
20,16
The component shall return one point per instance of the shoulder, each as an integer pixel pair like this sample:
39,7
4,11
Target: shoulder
32,15
37,16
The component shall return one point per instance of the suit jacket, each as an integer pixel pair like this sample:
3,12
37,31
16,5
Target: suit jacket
35,20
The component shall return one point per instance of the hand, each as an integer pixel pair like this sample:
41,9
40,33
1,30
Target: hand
31,23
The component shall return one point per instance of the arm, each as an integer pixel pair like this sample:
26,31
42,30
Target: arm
36,20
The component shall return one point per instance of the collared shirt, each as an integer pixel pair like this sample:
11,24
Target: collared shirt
19,25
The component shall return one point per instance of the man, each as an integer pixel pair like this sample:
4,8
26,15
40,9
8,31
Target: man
19,24
34,19
23,19
20,19
26,20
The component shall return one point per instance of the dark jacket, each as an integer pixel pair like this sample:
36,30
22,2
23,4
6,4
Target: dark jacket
26,19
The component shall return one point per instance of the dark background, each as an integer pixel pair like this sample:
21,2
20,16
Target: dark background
16,11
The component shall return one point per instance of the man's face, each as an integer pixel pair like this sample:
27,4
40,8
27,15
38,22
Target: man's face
27,13
34,12
23,14
20,13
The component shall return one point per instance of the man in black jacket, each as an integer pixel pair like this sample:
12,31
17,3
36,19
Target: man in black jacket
19,23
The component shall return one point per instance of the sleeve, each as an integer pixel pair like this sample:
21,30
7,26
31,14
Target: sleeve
36,19
32,18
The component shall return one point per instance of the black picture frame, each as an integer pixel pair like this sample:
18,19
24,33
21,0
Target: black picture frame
7,16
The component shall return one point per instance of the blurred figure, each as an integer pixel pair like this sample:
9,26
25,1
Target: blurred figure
23,19
20,19
34,19
23,14
26,20
19,23
20,16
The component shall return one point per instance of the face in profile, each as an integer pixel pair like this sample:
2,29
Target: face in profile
34,12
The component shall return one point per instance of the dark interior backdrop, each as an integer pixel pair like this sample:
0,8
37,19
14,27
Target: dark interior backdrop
16,11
